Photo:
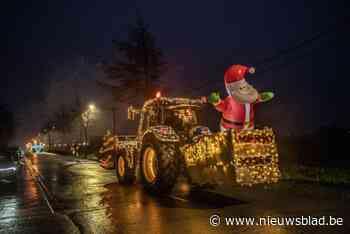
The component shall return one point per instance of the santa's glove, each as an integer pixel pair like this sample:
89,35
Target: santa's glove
266,96
214,98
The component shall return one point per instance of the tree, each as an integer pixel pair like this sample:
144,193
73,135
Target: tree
7,125
46,129
137,64
77,80
64,118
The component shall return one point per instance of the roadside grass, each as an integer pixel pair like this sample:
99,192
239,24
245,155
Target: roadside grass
331,176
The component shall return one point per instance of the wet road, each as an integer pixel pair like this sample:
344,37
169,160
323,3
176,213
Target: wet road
23,208
93,200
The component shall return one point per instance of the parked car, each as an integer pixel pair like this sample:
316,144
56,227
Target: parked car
9,167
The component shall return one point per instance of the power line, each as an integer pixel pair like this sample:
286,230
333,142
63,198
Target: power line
317,36
283,52
293,60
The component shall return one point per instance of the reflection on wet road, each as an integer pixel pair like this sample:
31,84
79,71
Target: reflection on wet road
21,199
23,208
96,203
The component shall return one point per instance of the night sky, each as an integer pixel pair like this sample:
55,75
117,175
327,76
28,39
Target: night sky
201,37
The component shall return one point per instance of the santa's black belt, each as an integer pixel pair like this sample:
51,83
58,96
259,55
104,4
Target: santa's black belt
232,122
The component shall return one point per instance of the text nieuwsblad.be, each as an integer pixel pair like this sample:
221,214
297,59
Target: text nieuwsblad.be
284,221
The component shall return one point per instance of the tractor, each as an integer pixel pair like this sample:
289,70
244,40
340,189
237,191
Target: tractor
171,141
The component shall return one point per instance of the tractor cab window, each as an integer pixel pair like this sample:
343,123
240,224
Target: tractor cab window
188,116
153,120
181,118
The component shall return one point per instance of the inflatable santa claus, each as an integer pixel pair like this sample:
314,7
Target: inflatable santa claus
238,107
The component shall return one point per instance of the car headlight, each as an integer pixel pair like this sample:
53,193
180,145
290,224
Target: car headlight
13,169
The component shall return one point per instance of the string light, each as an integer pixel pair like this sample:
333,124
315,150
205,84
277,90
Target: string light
254,155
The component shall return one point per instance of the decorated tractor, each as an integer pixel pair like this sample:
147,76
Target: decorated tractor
171,142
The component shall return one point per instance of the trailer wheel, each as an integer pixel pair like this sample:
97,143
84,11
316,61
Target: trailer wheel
123,170
159,166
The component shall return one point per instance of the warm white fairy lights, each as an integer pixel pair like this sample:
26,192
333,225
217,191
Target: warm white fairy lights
252,153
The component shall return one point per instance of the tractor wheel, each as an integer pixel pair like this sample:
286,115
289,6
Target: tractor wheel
159,166
123,170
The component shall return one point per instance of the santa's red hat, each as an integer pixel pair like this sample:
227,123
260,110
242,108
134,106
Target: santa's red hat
235,73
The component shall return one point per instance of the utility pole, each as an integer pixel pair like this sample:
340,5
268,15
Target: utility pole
49,139
51,142
86,117
86,125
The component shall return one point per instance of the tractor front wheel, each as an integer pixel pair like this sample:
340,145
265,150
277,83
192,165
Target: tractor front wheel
125,172
159,166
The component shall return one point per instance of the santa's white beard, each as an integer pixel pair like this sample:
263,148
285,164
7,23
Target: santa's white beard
250,95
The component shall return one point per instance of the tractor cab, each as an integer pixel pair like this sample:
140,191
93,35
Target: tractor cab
179,114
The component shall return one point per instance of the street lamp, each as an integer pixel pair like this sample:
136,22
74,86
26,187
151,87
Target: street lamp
86,118
92,107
